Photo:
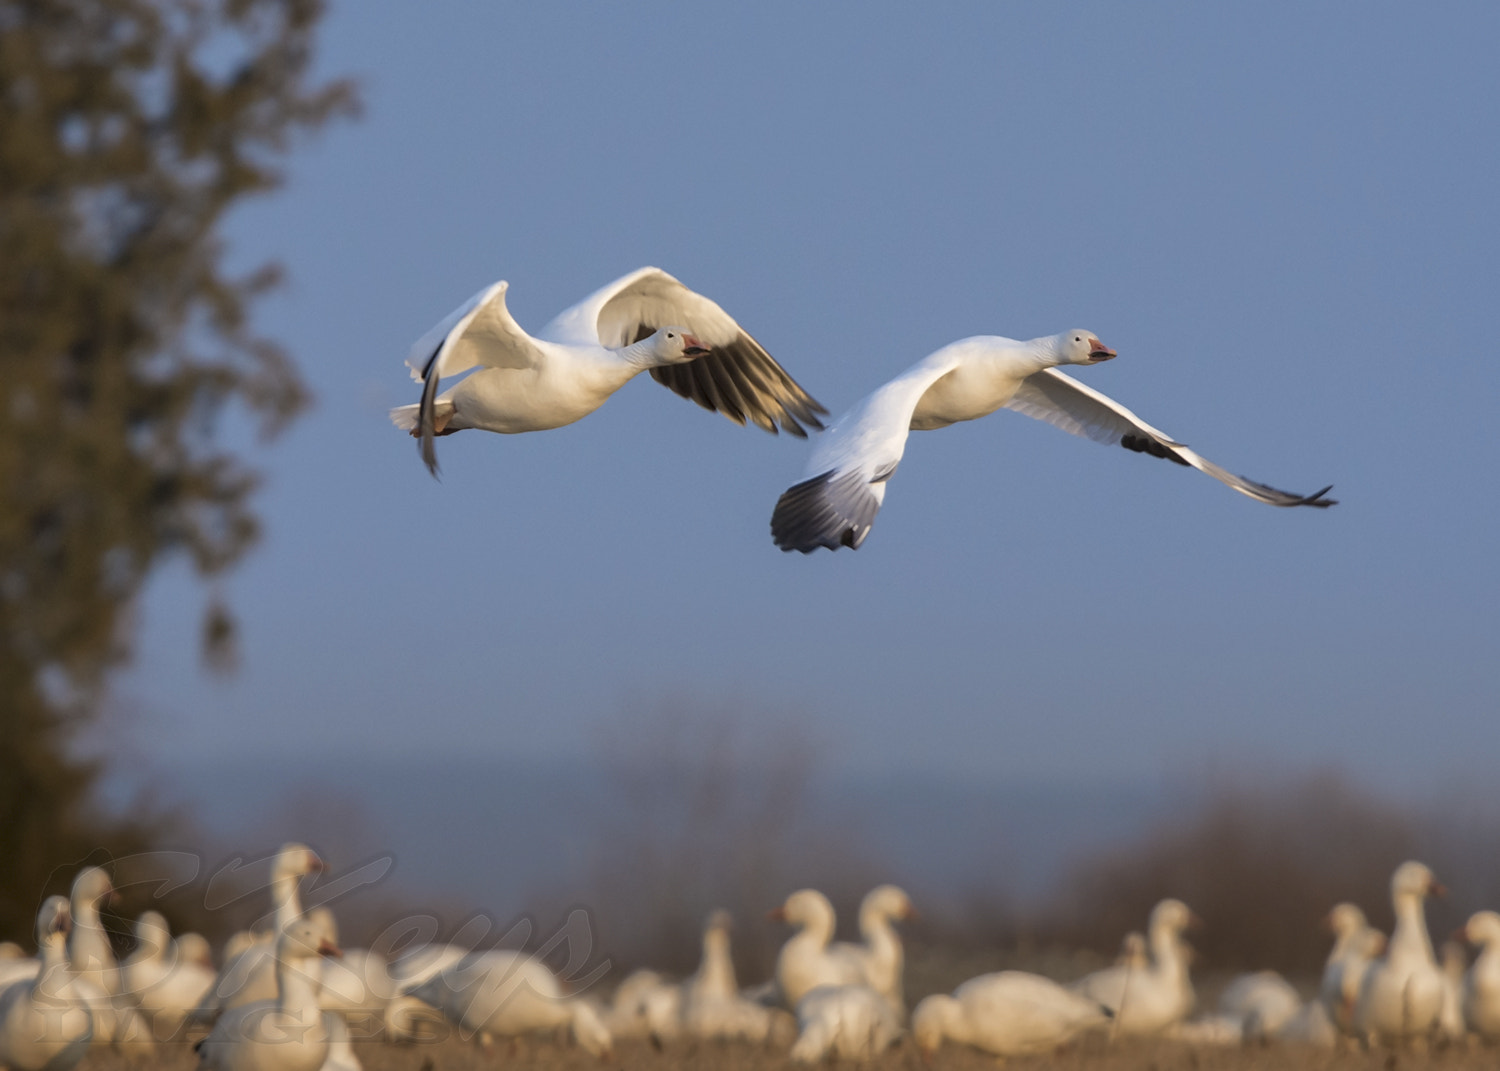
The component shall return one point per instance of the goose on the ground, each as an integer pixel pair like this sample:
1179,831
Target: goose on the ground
881,956
89,949
1356,944
844,485
850,1022
42,1027
1152,999
504,993
162,977
805,960
248,974
288,1033
1402,993
1481,990
644,321
1009,1013
1454,963
712,1007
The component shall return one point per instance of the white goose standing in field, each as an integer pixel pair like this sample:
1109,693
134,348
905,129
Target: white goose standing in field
644,321
1355,945
805,960
162,978
505,993
288,1033
881,956
1152,999
1481,991
1453,961
42,1026
835,505
1009,1013
852,1022
1402,993
92,956
248,974
712,1007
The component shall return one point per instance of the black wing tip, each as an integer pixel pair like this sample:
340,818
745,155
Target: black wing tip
804,520
1317,499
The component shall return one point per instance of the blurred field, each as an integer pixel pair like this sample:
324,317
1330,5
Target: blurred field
1093,1054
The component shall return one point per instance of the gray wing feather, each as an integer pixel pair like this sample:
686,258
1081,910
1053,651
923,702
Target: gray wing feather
831,510
1079,410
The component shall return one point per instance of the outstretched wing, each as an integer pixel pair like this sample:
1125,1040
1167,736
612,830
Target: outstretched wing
851,462
481,331
737,377
1066,403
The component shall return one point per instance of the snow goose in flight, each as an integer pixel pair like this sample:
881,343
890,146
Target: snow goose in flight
646,320
836,504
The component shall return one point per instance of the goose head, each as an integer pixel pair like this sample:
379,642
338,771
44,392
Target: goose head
1413,880
1173,916
1345,919
806,908
888,901
53,922
1483,928
1079,346
675,345
294,860
92,886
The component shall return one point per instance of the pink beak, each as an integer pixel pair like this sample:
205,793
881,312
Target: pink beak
1098,351
692,346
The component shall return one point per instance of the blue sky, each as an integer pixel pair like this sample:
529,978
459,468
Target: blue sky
1282,216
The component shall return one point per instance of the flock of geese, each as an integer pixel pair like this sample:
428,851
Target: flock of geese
647,321
281,999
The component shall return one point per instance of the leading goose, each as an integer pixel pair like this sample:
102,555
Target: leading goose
835,505
646,320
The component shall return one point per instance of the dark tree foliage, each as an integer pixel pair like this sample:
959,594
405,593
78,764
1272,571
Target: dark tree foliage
127,129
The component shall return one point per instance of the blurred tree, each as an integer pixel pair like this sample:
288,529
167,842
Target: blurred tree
127,129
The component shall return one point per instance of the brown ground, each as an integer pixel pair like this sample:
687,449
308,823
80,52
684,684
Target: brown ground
1091,1055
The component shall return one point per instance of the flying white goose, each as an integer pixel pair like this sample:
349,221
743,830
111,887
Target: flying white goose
1010,1013
1356,944
835,505
805,961
509,993
42,1027
646,320
1481,993
1402,993
288,1033
852,1022
1152,999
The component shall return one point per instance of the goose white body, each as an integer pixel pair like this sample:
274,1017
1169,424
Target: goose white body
845,480
644,321
1009,1013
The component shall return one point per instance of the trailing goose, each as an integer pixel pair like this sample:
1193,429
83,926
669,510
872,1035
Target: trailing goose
835,505
644,321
